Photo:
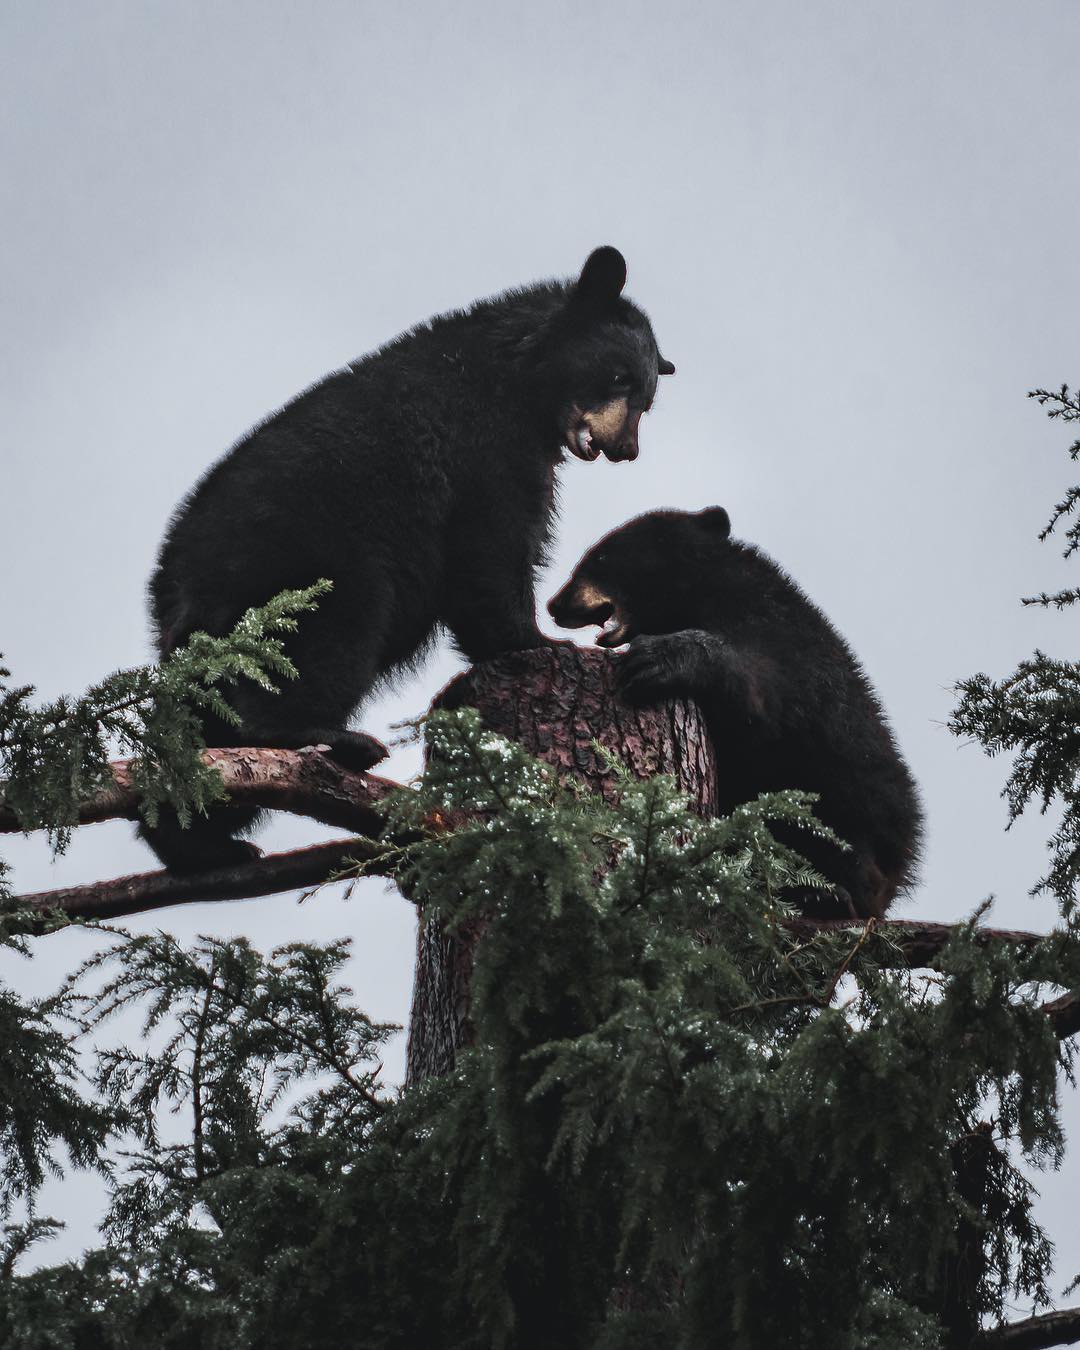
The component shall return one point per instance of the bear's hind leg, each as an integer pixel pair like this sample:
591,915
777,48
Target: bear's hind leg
206,843
312,710
335,673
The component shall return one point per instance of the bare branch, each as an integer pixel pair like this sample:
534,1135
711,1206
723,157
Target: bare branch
1035,1333
920,942
243,881
917,943
304,782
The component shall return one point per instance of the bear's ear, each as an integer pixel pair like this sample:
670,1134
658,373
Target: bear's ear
716,519
664,367
603,276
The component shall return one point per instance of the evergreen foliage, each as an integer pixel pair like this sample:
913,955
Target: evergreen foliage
680,1122
41,1106
1035,712
55,756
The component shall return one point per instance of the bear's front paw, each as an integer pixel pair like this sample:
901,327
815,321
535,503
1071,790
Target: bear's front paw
646,673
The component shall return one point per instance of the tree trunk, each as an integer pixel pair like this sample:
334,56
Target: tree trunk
557,702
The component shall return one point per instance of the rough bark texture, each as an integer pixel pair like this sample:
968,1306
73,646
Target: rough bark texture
556,701
304,782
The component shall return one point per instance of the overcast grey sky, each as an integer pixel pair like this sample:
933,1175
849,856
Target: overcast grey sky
853,225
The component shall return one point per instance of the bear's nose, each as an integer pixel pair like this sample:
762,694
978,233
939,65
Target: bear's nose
556,603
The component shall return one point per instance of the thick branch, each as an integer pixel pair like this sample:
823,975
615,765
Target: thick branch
303,782
1035,1333
917,943
155,890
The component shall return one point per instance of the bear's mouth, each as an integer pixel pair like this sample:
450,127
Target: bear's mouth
614,630
611,429
579,442
580,604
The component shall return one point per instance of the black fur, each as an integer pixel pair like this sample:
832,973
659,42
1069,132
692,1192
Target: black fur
787,705
420,480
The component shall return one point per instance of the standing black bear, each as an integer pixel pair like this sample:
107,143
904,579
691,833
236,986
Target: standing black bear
420,480
710,618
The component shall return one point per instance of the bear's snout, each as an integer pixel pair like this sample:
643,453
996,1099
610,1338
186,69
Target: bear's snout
578,604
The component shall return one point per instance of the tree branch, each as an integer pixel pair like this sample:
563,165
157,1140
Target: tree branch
1035,1333
243,881
304,782
311,783
919,941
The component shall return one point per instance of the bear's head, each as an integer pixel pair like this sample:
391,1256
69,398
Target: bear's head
645,577
597,360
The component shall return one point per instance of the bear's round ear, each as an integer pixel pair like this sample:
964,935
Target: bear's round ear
603,276
664,367
716,519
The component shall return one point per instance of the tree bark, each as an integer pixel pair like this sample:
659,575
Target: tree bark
559,702
304,782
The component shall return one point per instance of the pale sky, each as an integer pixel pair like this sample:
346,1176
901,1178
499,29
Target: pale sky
854,228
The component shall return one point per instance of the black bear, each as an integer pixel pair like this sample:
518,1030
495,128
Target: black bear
420,480
787,705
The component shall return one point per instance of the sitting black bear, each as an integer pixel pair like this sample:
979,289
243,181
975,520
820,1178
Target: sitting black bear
419,480
711,618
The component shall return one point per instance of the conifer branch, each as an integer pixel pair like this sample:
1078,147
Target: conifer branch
304,782
1034,1333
